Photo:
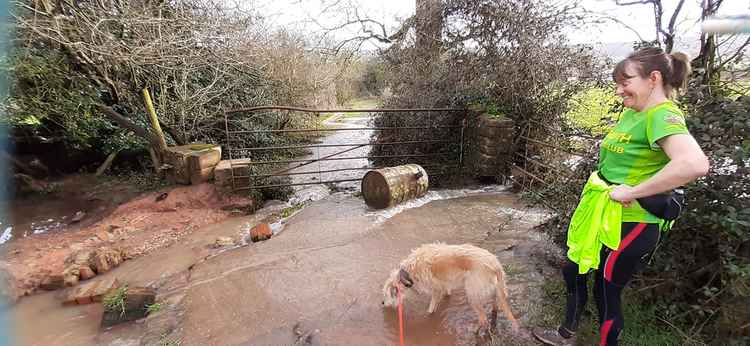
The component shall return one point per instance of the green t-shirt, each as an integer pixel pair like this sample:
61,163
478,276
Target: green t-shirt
630,153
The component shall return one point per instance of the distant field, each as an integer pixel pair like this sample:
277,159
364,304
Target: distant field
365,103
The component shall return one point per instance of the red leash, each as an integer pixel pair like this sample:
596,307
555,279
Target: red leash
400,317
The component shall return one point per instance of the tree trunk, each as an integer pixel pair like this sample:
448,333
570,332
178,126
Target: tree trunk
429,27
706,59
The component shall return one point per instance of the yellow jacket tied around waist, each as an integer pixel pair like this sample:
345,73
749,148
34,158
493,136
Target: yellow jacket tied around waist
597,220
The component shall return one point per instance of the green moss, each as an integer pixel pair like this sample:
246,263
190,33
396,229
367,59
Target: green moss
201,146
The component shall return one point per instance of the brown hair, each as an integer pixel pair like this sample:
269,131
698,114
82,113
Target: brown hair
674,68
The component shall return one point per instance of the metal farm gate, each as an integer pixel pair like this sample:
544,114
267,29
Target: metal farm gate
306,149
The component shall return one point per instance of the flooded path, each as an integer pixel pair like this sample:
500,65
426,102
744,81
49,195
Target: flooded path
358,166
317,282
324,274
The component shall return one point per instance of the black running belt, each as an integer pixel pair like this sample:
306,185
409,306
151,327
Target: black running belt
666,205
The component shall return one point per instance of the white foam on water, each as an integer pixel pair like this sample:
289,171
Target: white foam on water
7,234
433,195
46,226
309,194
277,226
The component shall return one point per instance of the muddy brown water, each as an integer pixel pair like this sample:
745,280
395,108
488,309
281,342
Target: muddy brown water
317,282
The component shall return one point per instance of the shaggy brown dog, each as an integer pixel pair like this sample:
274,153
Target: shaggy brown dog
438,269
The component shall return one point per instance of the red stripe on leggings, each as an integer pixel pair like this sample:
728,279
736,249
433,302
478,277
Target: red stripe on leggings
612,258
605,331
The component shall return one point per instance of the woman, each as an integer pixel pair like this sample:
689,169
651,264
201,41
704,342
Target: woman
648,154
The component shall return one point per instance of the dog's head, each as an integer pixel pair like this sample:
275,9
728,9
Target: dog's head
399,279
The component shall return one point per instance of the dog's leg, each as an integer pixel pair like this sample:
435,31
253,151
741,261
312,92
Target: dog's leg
502,302
493,316
483,322
437,296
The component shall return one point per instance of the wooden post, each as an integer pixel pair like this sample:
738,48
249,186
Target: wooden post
156,153
154,119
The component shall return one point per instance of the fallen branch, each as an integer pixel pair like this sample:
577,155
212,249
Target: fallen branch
128,124
107,163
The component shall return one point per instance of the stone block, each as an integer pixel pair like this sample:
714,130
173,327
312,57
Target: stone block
179,157
201,176
207,158
90,292
223,172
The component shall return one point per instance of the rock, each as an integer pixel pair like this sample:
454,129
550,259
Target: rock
104,259
223,241
260,232
85,272
78,217
136,301
70,276
90,292
52,282
162,197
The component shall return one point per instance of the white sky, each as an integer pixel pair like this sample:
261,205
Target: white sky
297,14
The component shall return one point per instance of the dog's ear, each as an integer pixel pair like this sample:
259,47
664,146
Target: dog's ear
405,278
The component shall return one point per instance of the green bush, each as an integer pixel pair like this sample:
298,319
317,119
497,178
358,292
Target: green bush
593,109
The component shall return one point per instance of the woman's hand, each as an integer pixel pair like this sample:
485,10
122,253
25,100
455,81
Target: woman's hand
622,194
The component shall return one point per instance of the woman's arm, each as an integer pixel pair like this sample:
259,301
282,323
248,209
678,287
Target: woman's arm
687,163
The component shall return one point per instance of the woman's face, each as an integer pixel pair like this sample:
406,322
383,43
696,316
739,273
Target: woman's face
634,89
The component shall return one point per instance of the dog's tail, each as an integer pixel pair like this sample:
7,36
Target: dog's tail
502,299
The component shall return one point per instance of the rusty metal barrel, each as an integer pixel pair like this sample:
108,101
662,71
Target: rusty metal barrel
389,186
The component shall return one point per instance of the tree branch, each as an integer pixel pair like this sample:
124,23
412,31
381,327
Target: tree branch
128,124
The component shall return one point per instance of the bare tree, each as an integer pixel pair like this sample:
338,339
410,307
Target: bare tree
665,35
195,56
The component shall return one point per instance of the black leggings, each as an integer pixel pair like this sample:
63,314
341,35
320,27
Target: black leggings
616,268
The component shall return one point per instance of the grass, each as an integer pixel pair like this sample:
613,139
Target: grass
512,269
288,211
115,300
153,308
364,103
642,326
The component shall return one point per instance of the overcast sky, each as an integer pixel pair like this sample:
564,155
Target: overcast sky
297,13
